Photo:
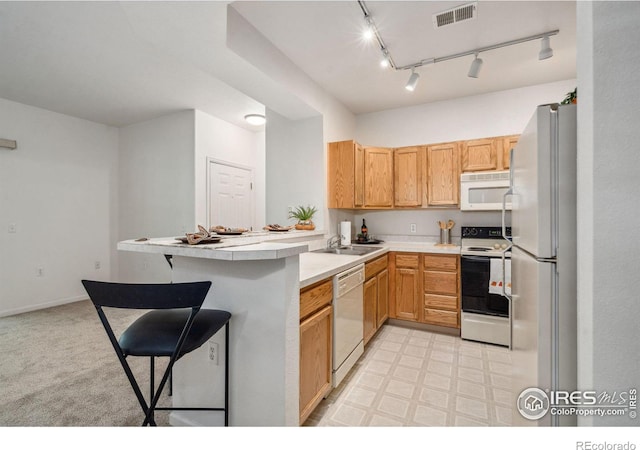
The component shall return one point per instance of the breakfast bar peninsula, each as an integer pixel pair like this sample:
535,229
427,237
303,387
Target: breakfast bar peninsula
256,279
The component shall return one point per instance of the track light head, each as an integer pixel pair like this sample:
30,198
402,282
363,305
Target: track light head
386,59
546,51
476,65
368,32
413,81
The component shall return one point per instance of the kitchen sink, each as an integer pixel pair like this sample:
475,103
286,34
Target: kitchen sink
348,250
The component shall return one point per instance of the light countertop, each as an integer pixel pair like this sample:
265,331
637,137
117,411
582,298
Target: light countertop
315,267
250,246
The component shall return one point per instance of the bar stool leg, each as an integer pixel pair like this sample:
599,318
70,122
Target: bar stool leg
226,375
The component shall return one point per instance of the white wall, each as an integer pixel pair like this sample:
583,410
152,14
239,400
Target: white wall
156,190
493,114
223,141
295,167
59,187
608,192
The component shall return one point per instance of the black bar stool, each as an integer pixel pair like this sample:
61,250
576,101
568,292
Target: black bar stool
175,326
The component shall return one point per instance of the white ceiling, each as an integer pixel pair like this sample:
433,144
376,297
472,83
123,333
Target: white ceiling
325,40
119,63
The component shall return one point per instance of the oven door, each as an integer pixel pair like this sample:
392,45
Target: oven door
476,298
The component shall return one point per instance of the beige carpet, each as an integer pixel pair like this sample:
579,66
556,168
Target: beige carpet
57,368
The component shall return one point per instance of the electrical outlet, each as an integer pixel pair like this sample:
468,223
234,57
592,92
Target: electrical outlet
40,272
413,228
96,265
12,228
213,352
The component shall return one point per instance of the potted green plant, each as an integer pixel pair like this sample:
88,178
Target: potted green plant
572,97
304,216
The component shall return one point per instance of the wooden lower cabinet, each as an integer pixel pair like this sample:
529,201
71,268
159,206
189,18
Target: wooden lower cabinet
405,286
425,288
316,331
441,288
376,296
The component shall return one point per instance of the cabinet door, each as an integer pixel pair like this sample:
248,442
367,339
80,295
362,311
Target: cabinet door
407,303
479,154
378,177
341,172
407,167
508,142
382,310
358,199
370,302
443,175
315,360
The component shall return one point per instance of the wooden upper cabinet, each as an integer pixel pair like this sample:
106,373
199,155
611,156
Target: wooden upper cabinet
508,142
442,175
407,174
378,177
479,154
341,158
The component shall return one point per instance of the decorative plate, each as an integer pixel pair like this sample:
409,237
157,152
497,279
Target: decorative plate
207,240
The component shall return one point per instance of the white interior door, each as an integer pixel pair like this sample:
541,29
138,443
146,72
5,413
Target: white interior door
230,196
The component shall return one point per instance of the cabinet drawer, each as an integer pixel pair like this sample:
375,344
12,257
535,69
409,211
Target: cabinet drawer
315,297
440,282
375,266
441,302
407,261
439,317
441,262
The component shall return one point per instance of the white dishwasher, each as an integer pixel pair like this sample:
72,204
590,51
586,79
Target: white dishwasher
348,316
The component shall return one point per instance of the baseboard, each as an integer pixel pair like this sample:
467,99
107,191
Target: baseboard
424,326
196,419
58,302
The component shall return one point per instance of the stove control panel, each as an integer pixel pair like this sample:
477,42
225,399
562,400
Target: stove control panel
484,232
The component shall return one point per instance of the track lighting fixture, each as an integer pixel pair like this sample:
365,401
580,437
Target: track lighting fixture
255,119
476,65
545,49
413,81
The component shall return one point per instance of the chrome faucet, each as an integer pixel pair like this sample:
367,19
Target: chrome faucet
333,241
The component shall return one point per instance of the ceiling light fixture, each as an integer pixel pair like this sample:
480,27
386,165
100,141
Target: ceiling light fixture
368,32
255,119
372,32
385,61
546,51
476,65
413,81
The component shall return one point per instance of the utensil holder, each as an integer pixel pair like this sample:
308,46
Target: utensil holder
445,236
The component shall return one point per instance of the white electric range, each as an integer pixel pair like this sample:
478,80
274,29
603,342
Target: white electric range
485,280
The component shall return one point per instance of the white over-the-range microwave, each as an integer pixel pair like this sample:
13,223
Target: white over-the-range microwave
484,191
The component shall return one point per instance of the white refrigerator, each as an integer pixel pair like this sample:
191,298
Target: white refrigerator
543,261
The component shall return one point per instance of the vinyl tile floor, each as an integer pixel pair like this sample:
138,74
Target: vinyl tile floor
410,377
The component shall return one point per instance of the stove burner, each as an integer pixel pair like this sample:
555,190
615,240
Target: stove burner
478,249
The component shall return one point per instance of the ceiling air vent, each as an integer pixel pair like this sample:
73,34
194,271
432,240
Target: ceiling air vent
455,15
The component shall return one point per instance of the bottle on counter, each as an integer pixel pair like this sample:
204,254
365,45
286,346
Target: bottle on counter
363,229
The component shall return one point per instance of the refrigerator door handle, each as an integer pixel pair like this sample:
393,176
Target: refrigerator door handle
508,297
504,200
